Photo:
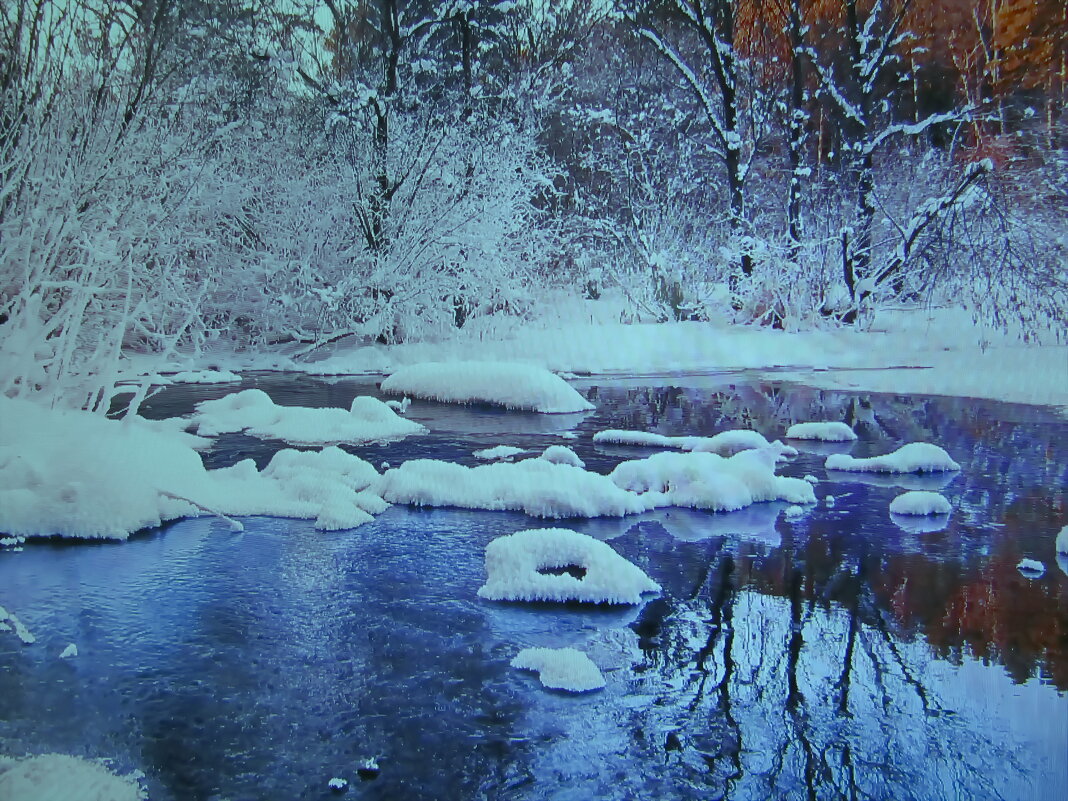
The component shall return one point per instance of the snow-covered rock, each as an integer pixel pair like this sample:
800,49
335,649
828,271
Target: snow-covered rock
514,386
534,486
1061,545
794,512
1031,568
825,432
498,452
519,567
337,784
561,668
708,481
252,411
920,503
51,777
916,457
561,454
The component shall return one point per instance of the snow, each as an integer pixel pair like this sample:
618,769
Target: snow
69,652
498,452
1062,541
252,411
561,668
794,512
725,443
1031,568
916,457
811,479
17,626
129,475
534,486
881,359
707,481
920,503
60,777
825,432
513,563
204,377
561,454
511,385
337,784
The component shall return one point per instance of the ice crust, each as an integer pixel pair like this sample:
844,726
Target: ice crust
561,668
916,457
252,411
919,502
513,563
1031,568
513,386
60,777
825,432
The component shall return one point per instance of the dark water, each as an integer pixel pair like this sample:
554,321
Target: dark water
835,655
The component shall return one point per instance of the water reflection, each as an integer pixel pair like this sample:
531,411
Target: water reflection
832,655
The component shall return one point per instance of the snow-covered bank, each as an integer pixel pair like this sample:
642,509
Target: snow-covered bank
73,474
943,342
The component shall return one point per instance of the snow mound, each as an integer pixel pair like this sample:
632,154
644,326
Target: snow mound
707,481
1031,568
514,386
920,503
561,668
916,457
498,452
561,454
57,777
253,411
825,432
534,486
515,565
726,443
1062,541
124,476
205,377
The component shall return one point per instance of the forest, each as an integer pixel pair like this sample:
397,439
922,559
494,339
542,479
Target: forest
179,175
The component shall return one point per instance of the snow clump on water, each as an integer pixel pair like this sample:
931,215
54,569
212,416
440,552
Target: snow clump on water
534,486
252,411
58,777
498,452
1031,568
513,386
1062,541
561,668
726,443
708,481
519,567
826,432
916,457
919,502
561,454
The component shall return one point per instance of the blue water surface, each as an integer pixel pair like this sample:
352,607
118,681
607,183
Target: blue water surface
839,654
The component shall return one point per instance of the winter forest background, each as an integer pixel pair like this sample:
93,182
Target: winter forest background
193,174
